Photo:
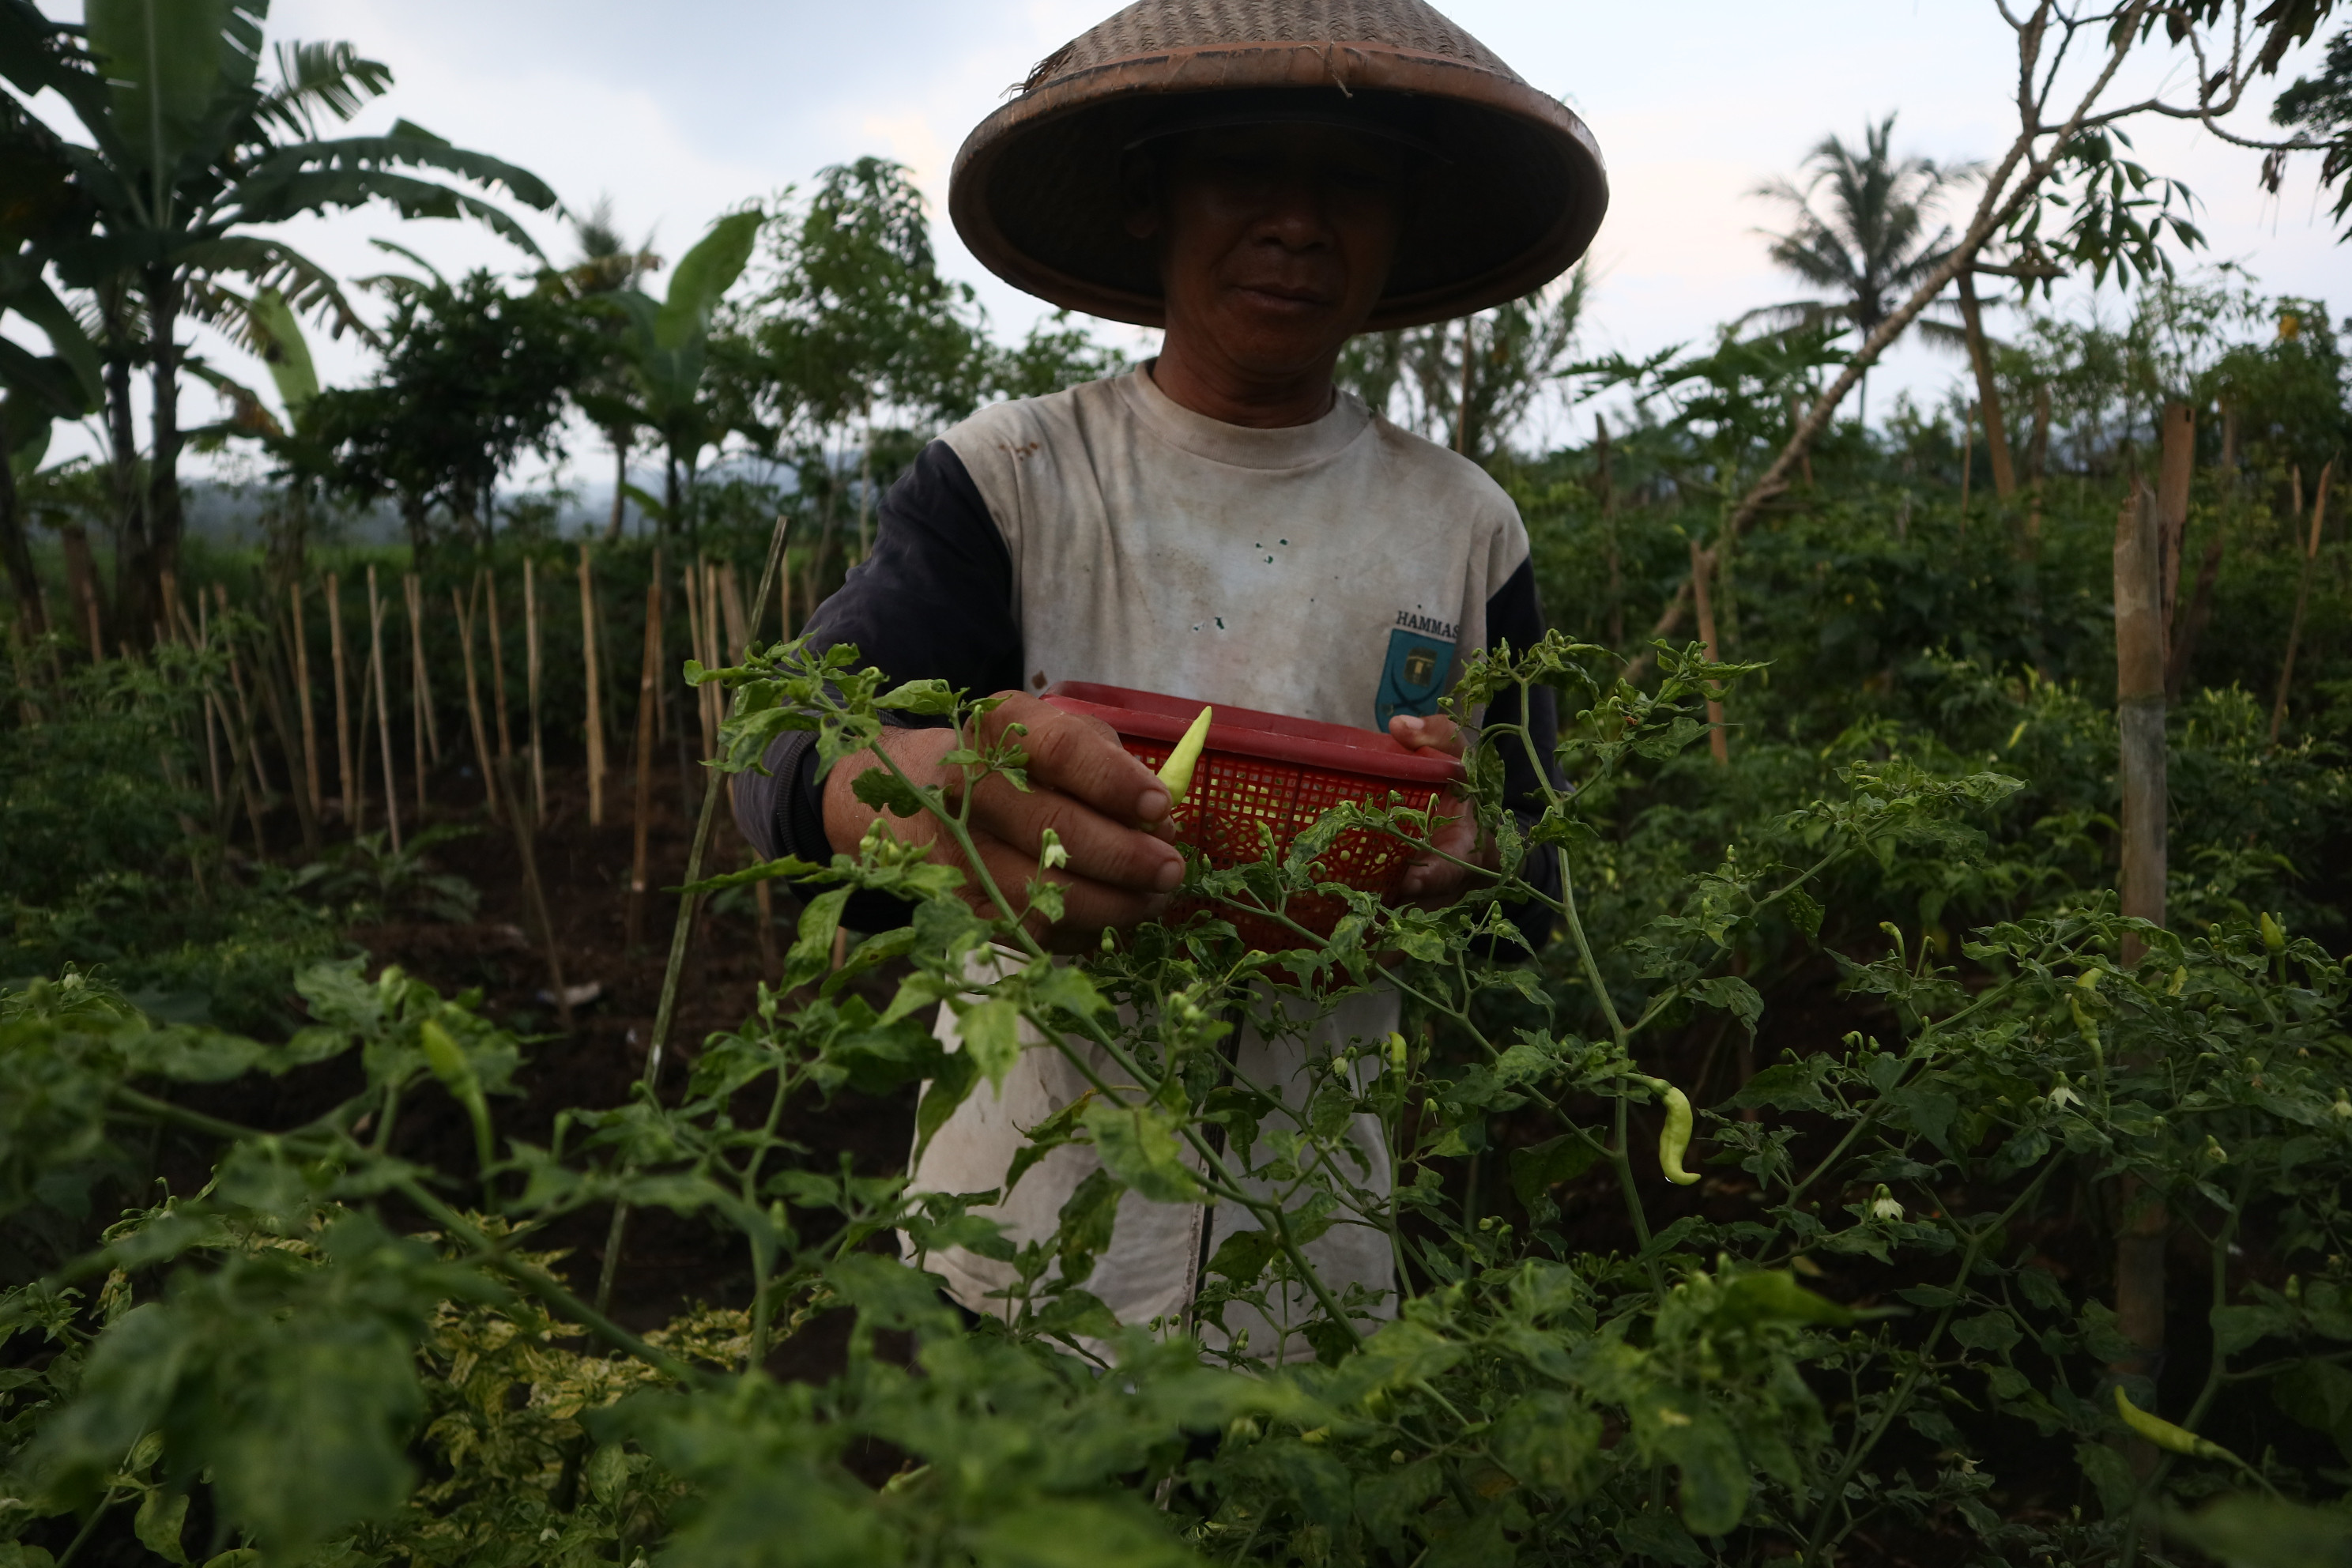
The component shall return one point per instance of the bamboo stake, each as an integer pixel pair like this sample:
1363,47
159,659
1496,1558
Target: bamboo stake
420,694
498,664
317,796
661,684
2140,766
785,601
267,677
696,615
482,758
237,685
681,934
595,702
739,637
648,683
531,654
2302,598
535,901
200,637
423,679
382,708
731,599
360,762
1702,569
346,776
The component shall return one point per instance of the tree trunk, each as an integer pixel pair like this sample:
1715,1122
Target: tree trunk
137,576
669,490
81,587
2140,696
163,505
2140,765
620,439
18,550
2004,475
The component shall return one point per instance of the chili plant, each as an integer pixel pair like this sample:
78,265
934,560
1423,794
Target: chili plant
1876,1311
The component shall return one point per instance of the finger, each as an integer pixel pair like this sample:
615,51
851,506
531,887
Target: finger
1088,905
1428,732
1100,849
1082,757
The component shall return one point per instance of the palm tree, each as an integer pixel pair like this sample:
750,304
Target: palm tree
1867,246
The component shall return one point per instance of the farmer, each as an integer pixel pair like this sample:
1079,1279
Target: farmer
1265,182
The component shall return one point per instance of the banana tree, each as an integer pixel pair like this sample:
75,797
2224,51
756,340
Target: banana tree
190,159
667,350
38,210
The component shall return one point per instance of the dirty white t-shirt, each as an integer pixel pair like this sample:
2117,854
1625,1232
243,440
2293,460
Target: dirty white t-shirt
1337,571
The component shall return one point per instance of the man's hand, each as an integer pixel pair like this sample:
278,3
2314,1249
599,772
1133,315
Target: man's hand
1110,811
1432,881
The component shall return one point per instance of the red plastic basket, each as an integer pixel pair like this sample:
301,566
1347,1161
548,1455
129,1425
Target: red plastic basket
1267,774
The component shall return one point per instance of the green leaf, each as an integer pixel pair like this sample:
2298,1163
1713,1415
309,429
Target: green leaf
284,350
1682,1428
1774,1295
161,1516
702,275
990,1033
1137,1145
1079,1533
1790,1086
1548,1441
1538,1168
2251,1532
178,71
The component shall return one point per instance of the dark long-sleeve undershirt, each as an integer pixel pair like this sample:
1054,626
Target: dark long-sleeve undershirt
935,600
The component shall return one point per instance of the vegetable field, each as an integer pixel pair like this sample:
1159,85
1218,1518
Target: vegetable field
430,1135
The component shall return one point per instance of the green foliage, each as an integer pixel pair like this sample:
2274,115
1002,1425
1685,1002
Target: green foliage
1843,1331
473,376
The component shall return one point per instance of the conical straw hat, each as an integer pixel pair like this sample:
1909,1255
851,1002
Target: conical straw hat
1036,195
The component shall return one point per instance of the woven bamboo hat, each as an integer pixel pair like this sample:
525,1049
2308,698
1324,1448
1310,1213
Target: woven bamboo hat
1036,190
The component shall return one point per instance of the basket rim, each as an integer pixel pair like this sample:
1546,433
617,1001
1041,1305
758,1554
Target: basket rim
1253,732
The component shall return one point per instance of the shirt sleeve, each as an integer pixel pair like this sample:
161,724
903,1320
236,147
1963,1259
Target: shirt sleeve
1515,616
935,599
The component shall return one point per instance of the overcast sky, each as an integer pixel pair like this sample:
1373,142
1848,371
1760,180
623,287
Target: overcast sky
681,110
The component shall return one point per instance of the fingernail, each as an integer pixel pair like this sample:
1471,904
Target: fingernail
1170,873
1152,804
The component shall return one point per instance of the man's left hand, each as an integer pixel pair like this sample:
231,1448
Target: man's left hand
1432,880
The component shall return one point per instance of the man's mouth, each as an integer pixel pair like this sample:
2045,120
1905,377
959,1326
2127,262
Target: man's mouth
1287,296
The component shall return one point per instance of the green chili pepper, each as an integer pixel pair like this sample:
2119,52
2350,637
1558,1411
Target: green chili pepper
2273,934
1176,772
2166,1435
1676,1135
457,1075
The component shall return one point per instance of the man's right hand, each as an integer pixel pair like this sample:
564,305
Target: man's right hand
1110,811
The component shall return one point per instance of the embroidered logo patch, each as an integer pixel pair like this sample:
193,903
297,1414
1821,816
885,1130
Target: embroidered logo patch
1413,677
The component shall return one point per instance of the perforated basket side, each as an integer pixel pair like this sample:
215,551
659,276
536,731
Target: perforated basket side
1239,807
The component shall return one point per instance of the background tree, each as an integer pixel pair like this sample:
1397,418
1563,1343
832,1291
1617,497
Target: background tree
474,375
606,265
667,347
1494,365
38,210
1867,242
191,159
853,325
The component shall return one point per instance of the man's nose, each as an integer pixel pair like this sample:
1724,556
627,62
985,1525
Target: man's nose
1294,216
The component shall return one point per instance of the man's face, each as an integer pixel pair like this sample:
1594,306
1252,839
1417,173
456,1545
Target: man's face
1274,240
